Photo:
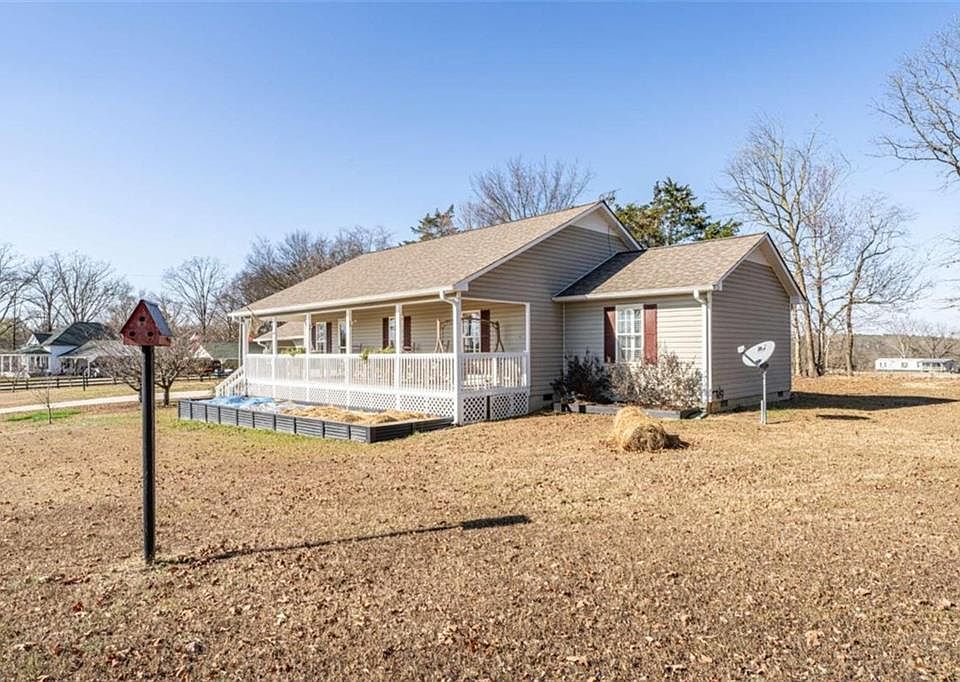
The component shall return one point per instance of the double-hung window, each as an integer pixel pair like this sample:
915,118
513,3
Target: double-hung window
471,332
630,334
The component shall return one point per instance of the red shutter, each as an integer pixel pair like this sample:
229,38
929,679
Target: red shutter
407,333
484,331
609,334
329,333
385,337
650,333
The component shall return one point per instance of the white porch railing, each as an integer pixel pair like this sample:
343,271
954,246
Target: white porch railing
483,371
418,372
493,385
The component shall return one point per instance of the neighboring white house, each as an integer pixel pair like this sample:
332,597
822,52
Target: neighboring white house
58,352
934,365
477,325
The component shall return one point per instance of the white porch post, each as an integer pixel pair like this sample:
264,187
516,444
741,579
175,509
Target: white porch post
273,357
457,359
307,345
348,358
307,334
398,349
241,346
526,344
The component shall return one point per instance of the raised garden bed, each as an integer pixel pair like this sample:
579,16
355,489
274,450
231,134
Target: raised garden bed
611,409
195,410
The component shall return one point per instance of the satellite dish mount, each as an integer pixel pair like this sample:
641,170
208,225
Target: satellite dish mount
758,356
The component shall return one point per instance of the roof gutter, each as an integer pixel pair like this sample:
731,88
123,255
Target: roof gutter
636,293
340,303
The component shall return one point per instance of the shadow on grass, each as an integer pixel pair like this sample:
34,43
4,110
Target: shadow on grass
471,524
843,417
866,403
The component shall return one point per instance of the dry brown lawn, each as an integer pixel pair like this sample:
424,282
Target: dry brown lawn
823,546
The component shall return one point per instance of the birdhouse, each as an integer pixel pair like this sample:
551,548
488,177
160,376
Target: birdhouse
146,326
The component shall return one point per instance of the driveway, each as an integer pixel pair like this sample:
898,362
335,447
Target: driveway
112,400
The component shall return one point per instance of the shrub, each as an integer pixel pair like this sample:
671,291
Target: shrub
668,384
585,379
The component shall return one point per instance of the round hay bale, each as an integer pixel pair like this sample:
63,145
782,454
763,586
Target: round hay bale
629,414
634,431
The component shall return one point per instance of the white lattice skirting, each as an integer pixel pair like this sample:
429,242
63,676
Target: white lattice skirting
476,408
500,405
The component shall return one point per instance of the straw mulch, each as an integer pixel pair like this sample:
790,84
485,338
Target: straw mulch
336,414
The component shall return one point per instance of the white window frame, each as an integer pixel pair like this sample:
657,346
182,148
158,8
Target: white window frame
320,338
469,317
342,336
392,332
638,336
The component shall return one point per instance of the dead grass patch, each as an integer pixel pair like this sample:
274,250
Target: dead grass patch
814,548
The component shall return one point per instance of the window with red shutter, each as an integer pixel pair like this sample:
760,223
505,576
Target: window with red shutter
610,334
650,350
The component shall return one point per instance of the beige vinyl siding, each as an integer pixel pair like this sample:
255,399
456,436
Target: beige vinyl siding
368,324
752,307
679,326
535,276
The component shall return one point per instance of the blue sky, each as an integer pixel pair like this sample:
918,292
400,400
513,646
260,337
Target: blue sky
148,134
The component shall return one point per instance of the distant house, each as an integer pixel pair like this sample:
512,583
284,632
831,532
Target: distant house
289,337
59,351
227,353
933,365
477,325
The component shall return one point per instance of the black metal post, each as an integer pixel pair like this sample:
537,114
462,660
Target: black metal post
147,399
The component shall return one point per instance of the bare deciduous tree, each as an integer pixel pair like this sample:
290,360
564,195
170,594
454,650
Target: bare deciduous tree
789,189
44,295
197,285
923,99
87,286
881,270
171,363
523,189
914,337
14,277
270,267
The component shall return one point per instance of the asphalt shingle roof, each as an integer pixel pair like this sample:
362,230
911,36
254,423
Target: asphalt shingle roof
79,333
665,267
434,264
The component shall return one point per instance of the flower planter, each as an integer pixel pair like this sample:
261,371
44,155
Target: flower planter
306,426
582,407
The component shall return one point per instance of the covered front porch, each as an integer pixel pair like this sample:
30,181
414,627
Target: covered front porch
445,355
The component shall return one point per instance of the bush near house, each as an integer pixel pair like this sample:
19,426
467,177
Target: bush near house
670,383
584,379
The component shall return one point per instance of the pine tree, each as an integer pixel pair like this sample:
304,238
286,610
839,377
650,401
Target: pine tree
673,217
433,225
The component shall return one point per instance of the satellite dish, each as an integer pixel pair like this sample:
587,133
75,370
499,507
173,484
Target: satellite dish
757,356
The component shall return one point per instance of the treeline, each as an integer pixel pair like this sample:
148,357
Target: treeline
197,294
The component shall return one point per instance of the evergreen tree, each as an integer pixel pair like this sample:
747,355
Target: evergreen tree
433,225
673,217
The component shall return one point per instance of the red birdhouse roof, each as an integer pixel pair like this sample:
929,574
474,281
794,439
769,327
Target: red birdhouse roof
146,326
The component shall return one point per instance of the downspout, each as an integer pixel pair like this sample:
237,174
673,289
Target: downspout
457,391
705,299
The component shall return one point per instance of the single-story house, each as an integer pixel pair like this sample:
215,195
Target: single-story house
477,325
933,365
56,352
227,353
289,338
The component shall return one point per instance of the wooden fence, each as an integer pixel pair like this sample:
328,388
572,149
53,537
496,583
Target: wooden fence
78,381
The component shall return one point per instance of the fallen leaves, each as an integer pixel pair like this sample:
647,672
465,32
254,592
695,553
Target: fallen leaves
753,552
